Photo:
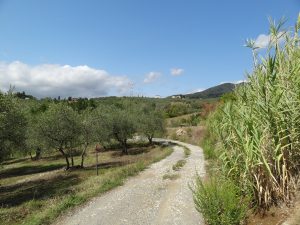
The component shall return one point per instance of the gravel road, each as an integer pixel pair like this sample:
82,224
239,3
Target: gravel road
147,198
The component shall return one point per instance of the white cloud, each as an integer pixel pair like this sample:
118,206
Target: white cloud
196,90
177,71
234,82
151,77
61,80
240,81
263,40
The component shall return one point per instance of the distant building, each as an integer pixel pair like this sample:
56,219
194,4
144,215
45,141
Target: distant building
71,99
157,96
178,96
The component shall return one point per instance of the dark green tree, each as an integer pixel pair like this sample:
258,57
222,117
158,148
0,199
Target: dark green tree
60,129
12,126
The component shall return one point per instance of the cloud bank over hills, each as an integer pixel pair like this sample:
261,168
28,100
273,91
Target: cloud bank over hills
61,80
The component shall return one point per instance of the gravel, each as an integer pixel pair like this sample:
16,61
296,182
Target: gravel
147,198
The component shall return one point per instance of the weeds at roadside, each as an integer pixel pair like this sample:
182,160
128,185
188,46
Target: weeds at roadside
187,152
179,164
219,201
172,176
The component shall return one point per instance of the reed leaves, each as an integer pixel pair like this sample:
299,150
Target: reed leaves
259,130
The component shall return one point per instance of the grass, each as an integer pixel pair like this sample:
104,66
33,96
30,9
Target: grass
296,220
172,176
219,201
187,152
179,164
31,198
208,148
193,135
191,119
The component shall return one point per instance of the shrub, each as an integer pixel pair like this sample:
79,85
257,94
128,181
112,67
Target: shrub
179,164
208,149
219,202
187,152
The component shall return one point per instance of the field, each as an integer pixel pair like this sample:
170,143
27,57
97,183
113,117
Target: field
37,192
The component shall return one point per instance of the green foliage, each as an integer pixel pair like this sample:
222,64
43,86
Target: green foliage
151,123
23,95
12,126
82,104
60,129
174,109
122,123
208,144
192,120
259,132
228,97
173,176
213,92
70,125
33,110
187,152
60,126
219,201
179,164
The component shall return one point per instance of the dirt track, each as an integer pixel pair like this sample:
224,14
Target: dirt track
147,198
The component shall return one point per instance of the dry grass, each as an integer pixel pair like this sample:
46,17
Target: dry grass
172,176
179,164
176,121
193,135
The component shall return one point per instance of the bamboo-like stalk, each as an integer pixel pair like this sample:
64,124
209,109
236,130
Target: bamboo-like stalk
259,131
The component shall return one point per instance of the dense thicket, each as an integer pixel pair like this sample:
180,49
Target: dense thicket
258,129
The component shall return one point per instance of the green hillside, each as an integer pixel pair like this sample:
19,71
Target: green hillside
213,92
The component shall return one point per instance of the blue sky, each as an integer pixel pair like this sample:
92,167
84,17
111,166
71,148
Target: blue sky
117,47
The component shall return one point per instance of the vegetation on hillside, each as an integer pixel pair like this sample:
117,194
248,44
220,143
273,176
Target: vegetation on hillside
214,92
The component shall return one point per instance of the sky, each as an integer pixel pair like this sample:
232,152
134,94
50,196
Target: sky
93,48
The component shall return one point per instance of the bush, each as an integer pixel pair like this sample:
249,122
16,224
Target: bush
208,149
179,164
219,202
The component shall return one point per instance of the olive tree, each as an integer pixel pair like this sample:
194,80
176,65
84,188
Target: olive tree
60,129
88,123
122,123
12,126
34,140
151,123
102,125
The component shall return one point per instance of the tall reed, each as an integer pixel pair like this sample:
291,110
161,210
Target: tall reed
259,129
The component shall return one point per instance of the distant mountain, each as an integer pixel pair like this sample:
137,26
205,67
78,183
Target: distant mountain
214,92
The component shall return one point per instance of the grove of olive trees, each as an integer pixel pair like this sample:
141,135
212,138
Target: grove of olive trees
33,125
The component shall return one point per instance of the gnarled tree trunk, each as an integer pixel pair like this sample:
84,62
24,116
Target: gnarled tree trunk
66,157
38,152
125,147
83,154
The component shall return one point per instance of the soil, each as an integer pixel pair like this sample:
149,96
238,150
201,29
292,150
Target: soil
275,216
